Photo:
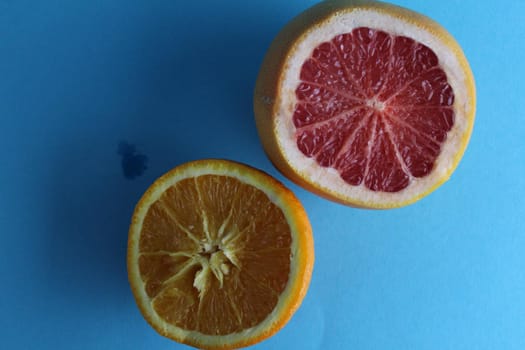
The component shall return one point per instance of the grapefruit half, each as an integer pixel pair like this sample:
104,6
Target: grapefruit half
365,103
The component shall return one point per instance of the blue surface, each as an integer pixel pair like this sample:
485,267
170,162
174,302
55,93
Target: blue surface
87,86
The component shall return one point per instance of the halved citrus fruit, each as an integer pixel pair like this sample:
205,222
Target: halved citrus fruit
220,254
365,103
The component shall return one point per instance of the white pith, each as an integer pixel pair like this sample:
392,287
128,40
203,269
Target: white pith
329,179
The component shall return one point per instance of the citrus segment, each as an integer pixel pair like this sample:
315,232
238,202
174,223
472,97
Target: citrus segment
219,255
365,103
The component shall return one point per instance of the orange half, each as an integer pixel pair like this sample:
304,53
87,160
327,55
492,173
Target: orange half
220,254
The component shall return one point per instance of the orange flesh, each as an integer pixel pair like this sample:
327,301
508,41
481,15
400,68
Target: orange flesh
214,255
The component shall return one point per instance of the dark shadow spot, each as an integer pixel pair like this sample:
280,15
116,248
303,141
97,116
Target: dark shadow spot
133,163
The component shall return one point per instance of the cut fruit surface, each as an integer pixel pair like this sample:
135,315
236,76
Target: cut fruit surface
365,103
376,107
219,254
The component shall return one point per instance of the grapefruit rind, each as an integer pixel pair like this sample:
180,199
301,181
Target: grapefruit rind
274,97
301,250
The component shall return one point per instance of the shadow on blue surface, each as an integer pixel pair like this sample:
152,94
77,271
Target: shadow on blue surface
92,202
90,216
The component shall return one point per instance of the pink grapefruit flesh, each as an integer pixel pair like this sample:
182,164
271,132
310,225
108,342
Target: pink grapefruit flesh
375,107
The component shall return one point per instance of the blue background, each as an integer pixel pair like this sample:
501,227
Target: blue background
172,81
